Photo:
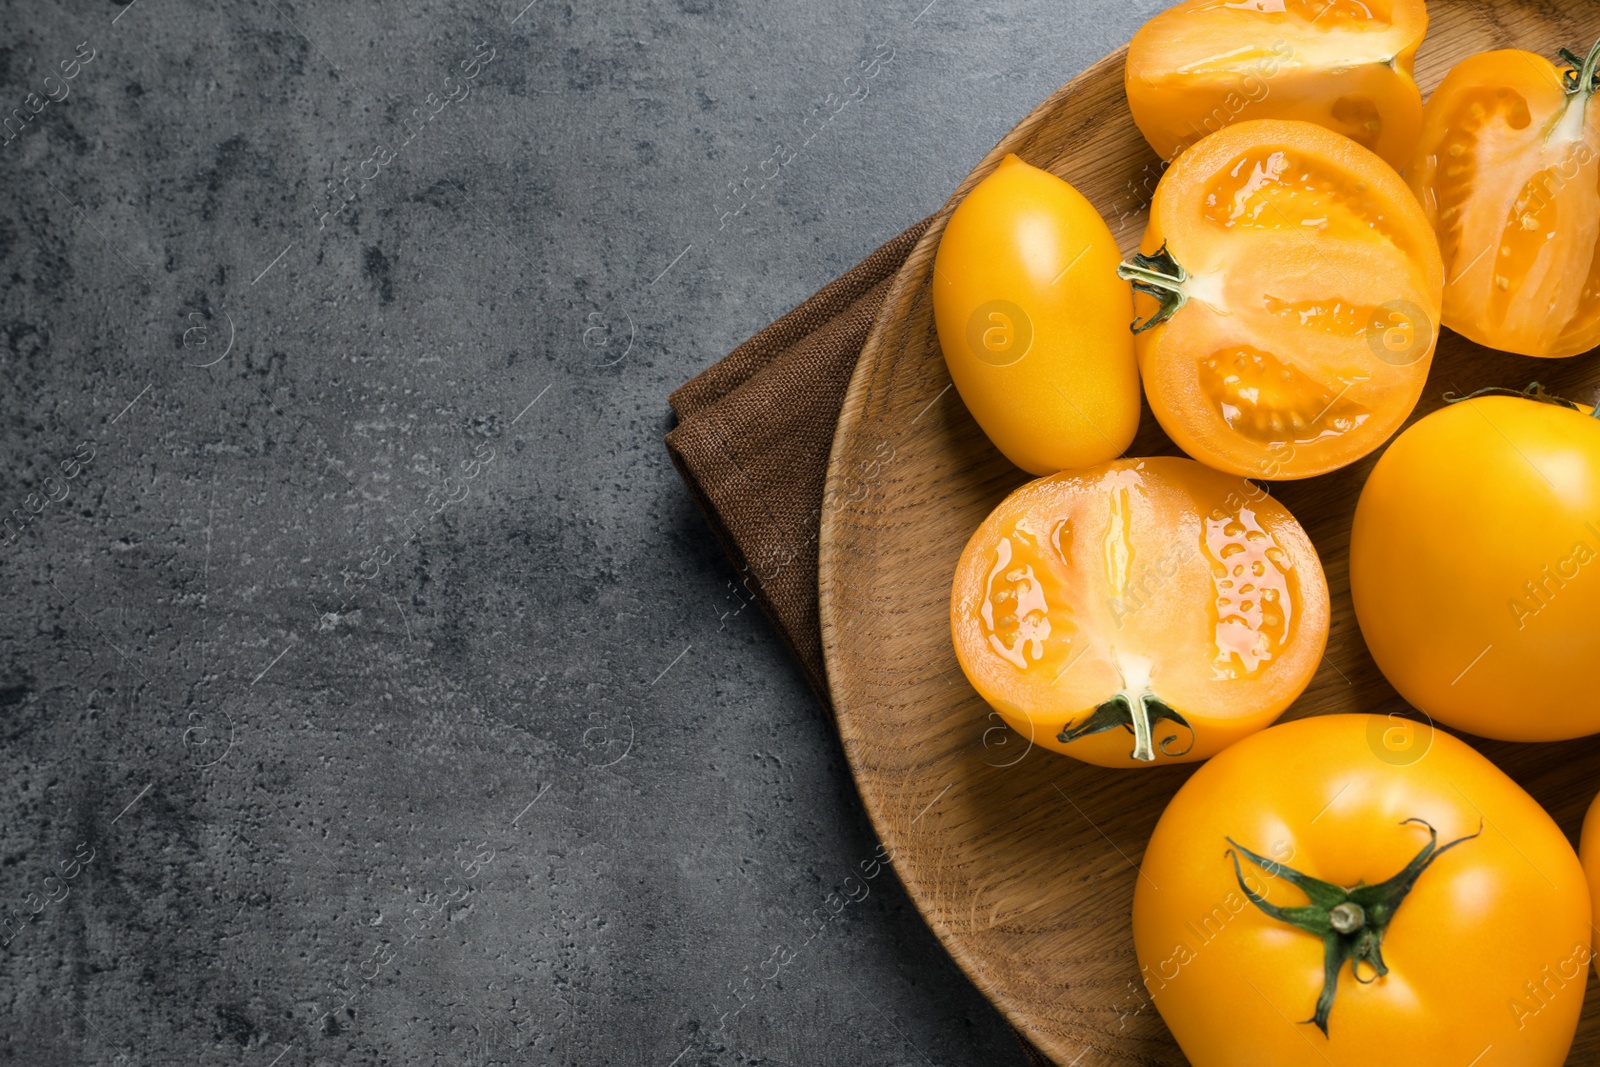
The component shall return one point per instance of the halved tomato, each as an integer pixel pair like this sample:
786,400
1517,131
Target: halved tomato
1152,596
1289,287
1343,64
1508,171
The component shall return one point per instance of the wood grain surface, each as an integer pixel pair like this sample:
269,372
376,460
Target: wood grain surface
1023,861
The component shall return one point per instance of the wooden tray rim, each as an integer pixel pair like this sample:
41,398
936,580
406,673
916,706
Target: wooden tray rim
902,293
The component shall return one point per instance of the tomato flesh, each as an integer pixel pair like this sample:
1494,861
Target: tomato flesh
1150,577
1266,400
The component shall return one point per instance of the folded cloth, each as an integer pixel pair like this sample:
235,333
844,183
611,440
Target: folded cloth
752,442
753,436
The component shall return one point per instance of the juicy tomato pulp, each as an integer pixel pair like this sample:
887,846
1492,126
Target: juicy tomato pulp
1508,171
1475,567
1486,950
1152,595
1343,64
1289,326
1033,321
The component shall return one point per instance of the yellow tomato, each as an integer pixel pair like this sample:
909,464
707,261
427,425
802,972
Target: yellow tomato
1288,293
1507,170
1475,567
1343,64
1312,898
1034,323
1142,611
1589,853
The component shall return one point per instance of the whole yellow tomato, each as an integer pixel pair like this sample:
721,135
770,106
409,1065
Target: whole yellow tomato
1033,321
1475,567
1589,854
1343,64
1144,611
1312,899
1289,295
1508,171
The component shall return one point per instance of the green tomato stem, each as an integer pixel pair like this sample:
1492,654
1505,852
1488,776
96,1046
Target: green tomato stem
1159,276
1138,714
1350,922
1582,80
1534,391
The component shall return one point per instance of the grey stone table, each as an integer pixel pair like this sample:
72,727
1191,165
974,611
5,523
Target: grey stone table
371,692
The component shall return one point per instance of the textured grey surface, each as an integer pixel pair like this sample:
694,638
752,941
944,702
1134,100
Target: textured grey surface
339,538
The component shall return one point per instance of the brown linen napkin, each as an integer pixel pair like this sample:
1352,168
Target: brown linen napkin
752,442
753,437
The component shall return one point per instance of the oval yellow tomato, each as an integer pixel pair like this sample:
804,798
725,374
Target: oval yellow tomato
1308,899
1032,321
1508,170
1475,567
1151,597
1289,289
1343,64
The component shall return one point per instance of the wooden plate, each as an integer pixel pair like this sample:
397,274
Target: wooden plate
1024,862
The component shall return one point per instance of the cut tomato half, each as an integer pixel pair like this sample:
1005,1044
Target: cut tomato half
1288,291
1508,171
1342,64
1141,611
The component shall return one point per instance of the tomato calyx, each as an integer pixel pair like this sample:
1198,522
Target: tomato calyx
1351,922
1581,79
1159,276
1534,391
1138,714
